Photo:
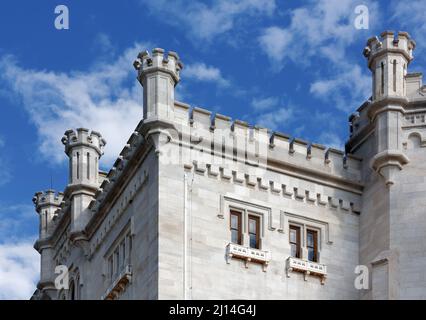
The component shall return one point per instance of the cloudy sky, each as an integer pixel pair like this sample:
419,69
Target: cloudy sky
292,66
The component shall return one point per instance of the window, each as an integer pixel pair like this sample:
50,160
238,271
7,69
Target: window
236,227
117,261
312,245
394,75
383,78
122,253
88,165
254,239
78,165
119,256
72,291
110,267
295,241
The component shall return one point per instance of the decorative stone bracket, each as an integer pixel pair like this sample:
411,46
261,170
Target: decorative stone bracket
248,255
119,284
307,268
386,163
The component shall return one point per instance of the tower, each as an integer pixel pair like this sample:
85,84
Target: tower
388,59
392,219
47,204
84,150
159,75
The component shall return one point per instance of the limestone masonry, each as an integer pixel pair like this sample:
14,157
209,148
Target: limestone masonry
197,206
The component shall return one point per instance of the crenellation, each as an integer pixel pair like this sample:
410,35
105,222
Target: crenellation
201,118
181,113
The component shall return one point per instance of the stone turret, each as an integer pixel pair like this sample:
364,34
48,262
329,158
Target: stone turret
388,58
158,74
47,205
84,150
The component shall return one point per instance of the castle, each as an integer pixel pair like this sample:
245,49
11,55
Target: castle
197,206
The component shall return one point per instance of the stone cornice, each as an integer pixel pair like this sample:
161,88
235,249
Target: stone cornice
387,104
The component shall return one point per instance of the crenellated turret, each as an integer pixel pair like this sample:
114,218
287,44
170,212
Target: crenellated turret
47,204
388,58
158,74
84,150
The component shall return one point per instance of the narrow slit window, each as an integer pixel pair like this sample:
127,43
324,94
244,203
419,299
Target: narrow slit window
254,230
117,261
45,221
382,89
70,165
403,79
88,165
78,165
312,245
294,241
110,267
235,227
394,75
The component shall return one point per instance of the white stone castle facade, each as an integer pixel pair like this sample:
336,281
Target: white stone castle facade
199,207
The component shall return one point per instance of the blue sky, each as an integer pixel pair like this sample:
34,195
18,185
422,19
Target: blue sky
292,66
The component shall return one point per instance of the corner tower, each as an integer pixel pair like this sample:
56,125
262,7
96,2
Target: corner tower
84,150
388,58
393,217
47,205
159,74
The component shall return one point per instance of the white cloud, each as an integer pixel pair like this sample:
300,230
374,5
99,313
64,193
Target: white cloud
19,270
346,89
202,72
322,28
411,16
331,139
17,219
205,21
260,104
104,44
107,98
275,119
274,42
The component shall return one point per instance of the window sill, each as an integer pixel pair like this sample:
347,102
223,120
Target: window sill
247,254
119,284
307,268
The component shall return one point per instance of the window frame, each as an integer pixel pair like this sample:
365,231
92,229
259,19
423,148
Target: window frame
298,242
239,229
315,244
257,232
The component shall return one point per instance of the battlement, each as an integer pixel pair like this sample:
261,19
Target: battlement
82,137
280,148
157,61
47,198
400,42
